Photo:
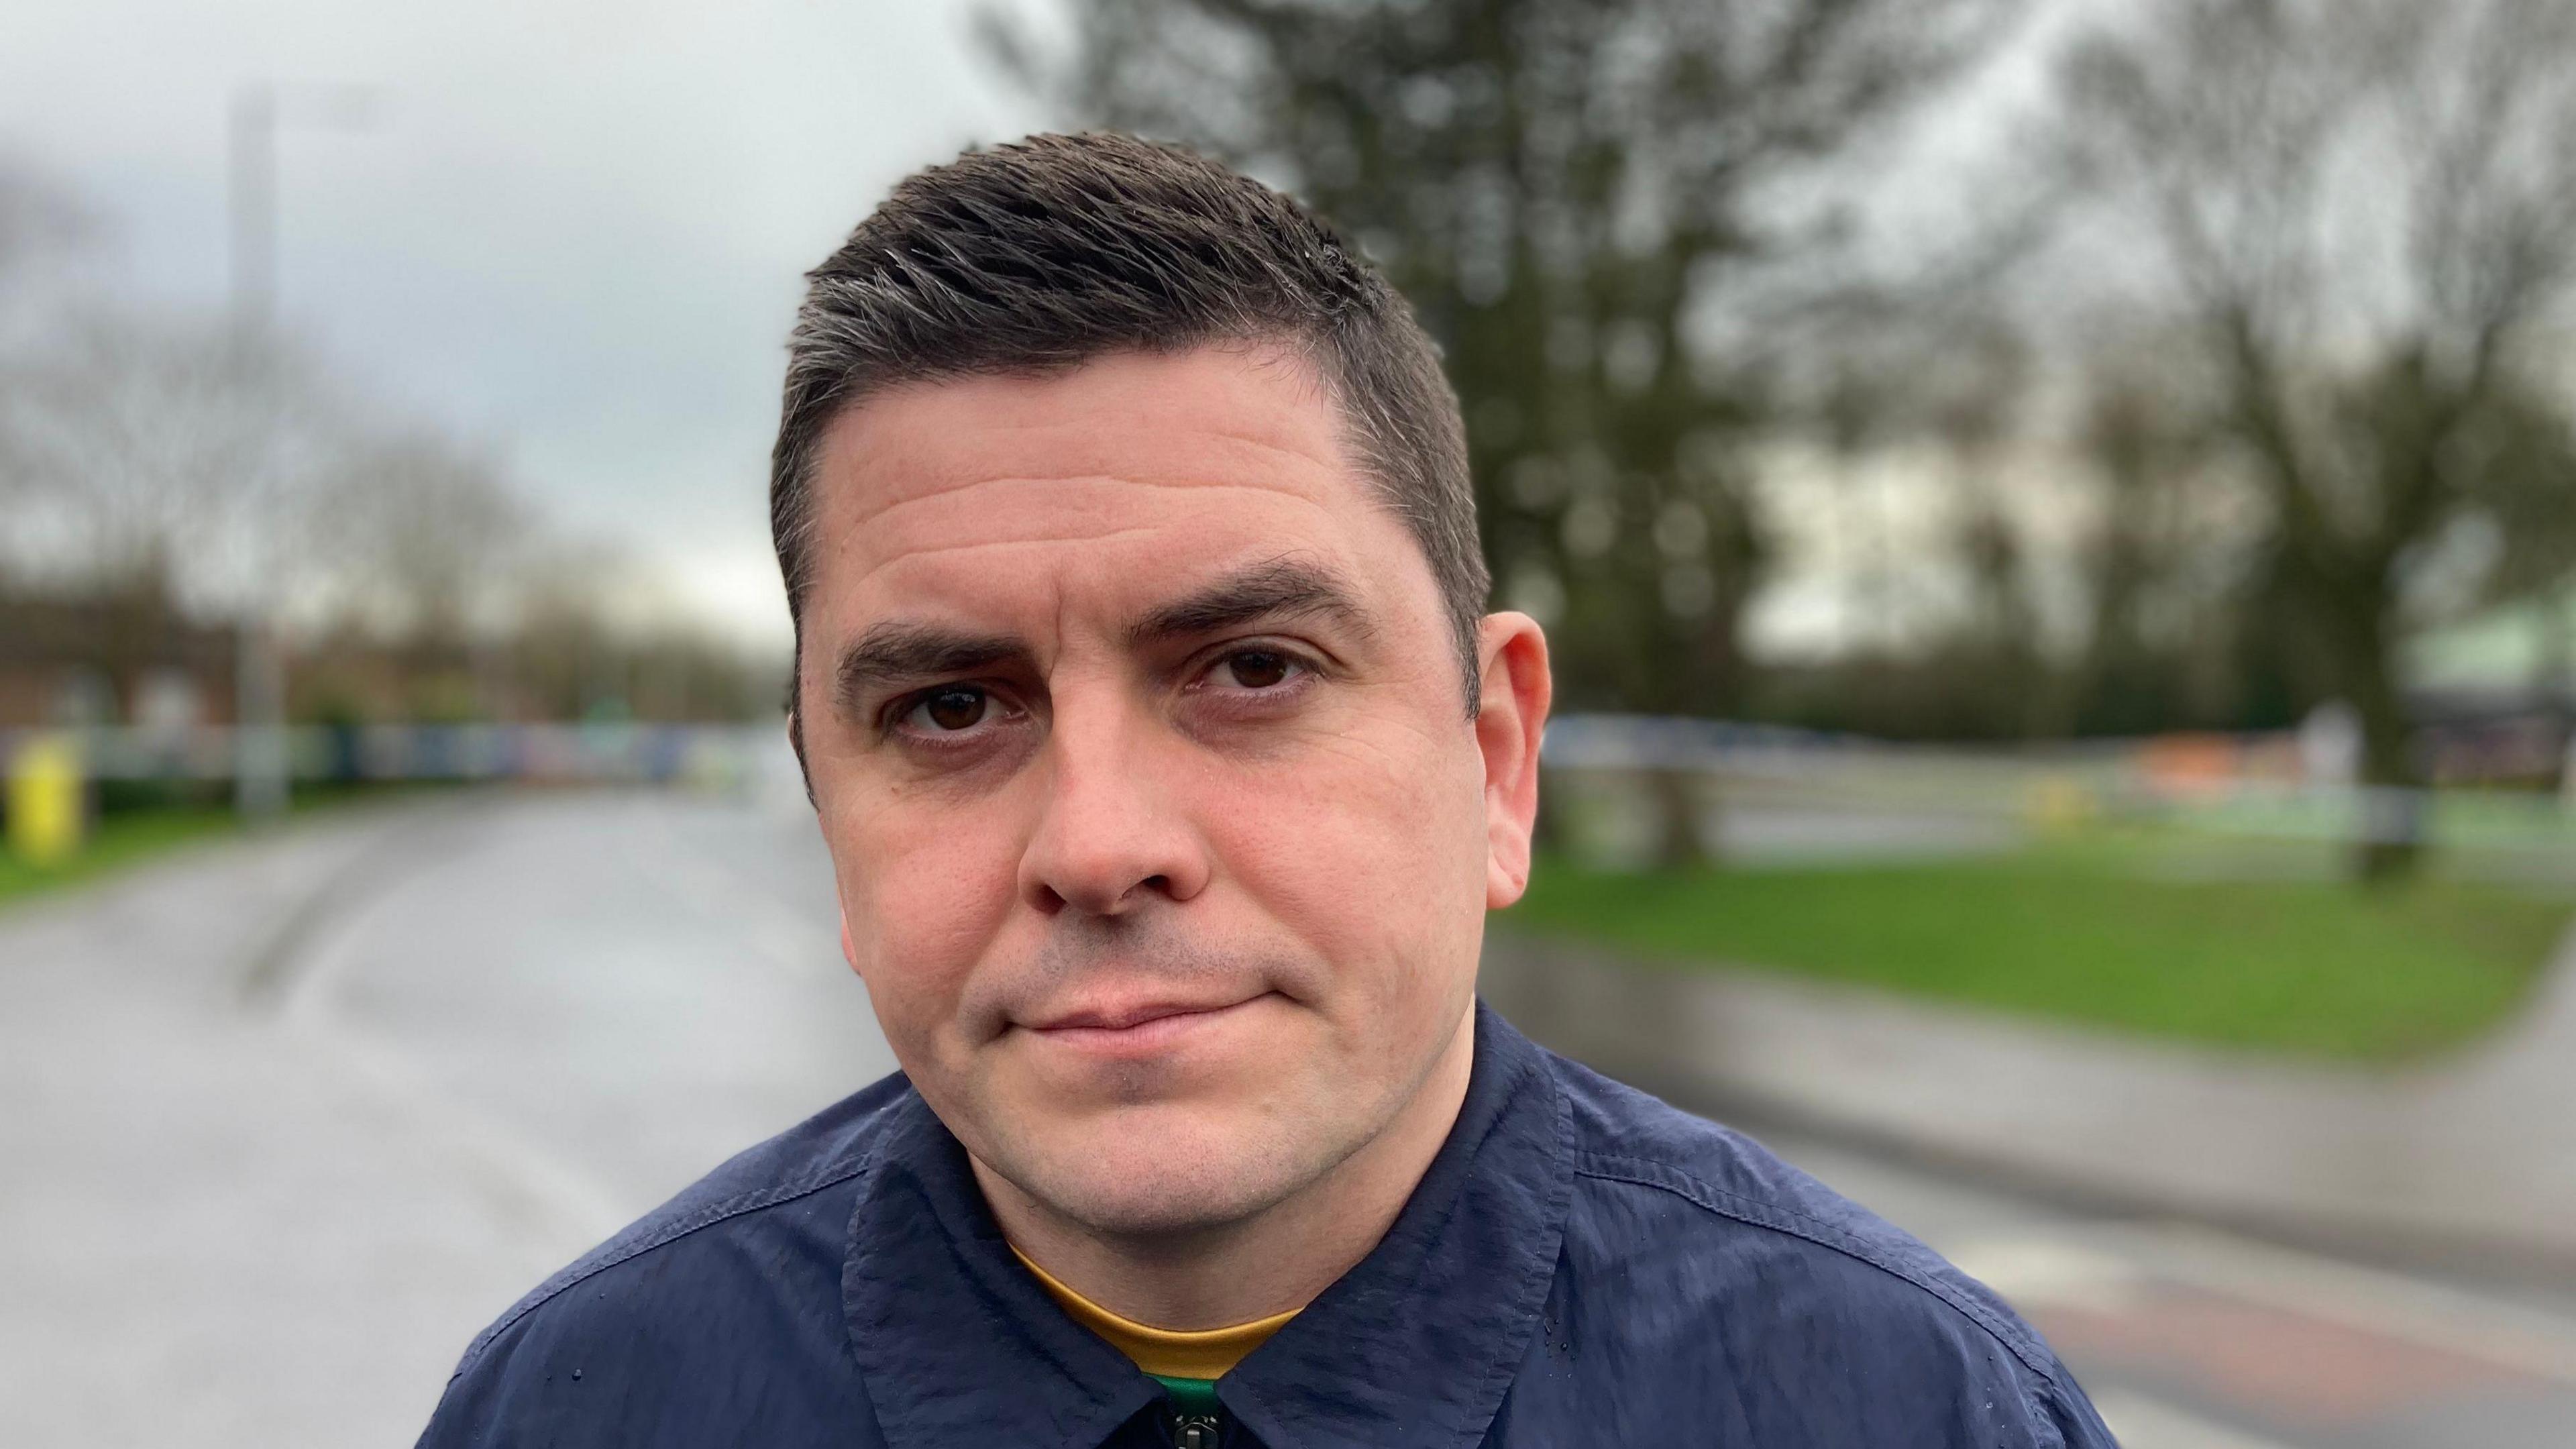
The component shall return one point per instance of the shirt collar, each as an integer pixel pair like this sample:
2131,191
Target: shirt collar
1416,1344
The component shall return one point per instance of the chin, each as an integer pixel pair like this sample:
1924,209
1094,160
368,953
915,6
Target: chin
1164,1170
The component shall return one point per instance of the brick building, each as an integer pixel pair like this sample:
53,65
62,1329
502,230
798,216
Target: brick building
121,659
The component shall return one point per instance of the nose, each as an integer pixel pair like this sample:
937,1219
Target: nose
1110,838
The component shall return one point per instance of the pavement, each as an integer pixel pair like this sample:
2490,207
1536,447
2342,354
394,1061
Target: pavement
2472,1155
284,1124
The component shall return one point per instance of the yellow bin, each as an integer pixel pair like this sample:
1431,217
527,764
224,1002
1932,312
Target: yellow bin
45,815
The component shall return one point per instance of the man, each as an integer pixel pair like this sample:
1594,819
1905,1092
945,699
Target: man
1169,764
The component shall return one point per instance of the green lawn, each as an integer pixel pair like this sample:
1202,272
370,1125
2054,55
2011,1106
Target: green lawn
116,839
2113,936
146,818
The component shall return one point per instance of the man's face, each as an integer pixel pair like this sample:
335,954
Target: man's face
1163,836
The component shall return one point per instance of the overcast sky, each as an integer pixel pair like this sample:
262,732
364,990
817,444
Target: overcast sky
575,228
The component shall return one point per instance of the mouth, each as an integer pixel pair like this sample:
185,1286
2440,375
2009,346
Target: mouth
1134,1028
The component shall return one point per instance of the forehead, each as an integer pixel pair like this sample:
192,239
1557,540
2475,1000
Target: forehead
1112,483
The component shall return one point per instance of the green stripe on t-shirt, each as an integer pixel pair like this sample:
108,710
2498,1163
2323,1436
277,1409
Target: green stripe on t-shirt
1190,1396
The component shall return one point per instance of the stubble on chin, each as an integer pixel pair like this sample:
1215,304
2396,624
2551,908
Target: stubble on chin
1161,1185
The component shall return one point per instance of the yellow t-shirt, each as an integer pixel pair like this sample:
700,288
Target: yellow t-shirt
1166,1353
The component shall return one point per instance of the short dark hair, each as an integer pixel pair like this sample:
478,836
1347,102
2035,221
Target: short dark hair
1040,255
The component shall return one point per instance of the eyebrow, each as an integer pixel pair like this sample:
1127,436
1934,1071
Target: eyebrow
899,653
1280,589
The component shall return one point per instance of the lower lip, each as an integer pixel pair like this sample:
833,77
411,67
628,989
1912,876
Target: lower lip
1145,1038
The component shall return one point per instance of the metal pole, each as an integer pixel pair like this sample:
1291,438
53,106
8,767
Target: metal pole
259,754
254,207
262,769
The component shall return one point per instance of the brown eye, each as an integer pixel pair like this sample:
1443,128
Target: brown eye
1257,668
957,707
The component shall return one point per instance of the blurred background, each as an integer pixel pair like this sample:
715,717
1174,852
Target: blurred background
2057,523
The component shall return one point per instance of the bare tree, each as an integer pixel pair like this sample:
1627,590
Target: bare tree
38,217
148,451
2174,566
173,465
39,220
2360,218
424,535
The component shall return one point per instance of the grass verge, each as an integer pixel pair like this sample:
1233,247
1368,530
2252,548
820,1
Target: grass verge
2103,937
140,820
115,840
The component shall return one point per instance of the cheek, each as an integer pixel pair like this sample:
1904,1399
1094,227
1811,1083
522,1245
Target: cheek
925,889
1372,855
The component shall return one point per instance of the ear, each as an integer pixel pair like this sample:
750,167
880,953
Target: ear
796,742
1511,715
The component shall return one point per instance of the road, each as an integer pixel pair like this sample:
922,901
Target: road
283,1126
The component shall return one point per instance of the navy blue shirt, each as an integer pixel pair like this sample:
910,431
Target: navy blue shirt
1582,1265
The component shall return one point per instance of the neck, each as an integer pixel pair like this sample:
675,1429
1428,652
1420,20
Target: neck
1273,1261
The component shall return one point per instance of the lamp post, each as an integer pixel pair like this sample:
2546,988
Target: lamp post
261,767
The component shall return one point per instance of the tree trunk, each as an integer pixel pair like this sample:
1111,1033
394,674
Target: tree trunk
2390,842
1674,796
